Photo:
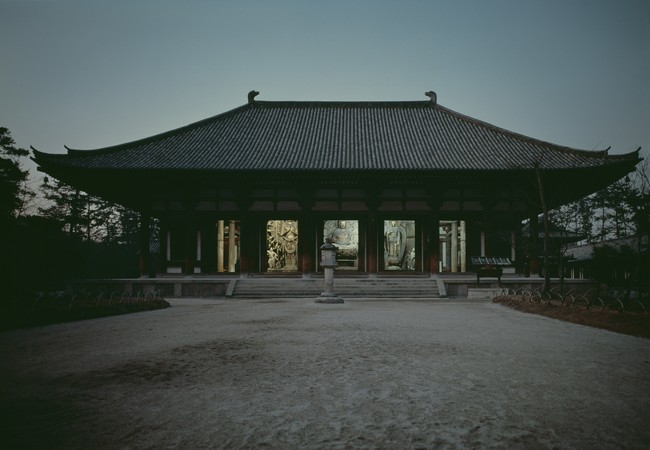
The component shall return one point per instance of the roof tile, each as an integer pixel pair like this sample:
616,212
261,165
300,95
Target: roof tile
334,136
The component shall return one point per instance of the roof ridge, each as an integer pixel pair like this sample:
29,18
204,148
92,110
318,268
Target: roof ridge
352,104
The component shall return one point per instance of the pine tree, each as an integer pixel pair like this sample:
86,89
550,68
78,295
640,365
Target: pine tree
14,191
66,205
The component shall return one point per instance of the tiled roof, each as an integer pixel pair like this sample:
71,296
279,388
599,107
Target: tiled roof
420,135
554,232
586,252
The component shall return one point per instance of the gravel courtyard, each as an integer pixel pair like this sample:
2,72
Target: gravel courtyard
296,374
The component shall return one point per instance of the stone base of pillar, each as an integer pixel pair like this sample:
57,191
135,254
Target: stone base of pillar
329,297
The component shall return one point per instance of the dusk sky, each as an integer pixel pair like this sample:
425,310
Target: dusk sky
90,74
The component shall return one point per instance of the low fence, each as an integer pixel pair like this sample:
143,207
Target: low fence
592,297
168,287
63,300
459,286
42,308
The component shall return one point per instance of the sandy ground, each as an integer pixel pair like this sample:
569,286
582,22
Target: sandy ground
295,374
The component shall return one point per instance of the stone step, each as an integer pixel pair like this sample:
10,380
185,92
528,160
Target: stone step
353,288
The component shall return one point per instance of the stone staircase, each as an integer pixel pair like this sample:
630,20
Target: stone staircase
349,288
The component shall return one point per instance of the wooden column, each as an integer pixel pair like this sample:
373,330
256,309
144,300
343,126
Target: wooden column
434,202
168,246
308,238
310,233
189,246
373,231
220,247
244,225
232,249
197,260
454,246
434,244
249,244
145,236
426,224
463,246
533,253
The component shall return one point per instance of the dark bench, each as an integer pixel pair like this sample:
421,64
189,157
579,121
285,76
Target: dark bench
489,266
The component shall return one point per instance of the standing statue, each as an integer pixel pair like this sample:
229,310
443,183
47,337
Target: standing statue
394,245
289,236
272,259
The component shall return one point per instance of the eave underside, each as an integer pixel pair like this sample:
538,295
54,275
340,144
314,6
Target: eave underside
514,192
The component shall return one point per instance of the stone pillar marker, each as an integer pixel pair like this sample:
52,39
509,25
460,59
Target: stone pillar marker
328,262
